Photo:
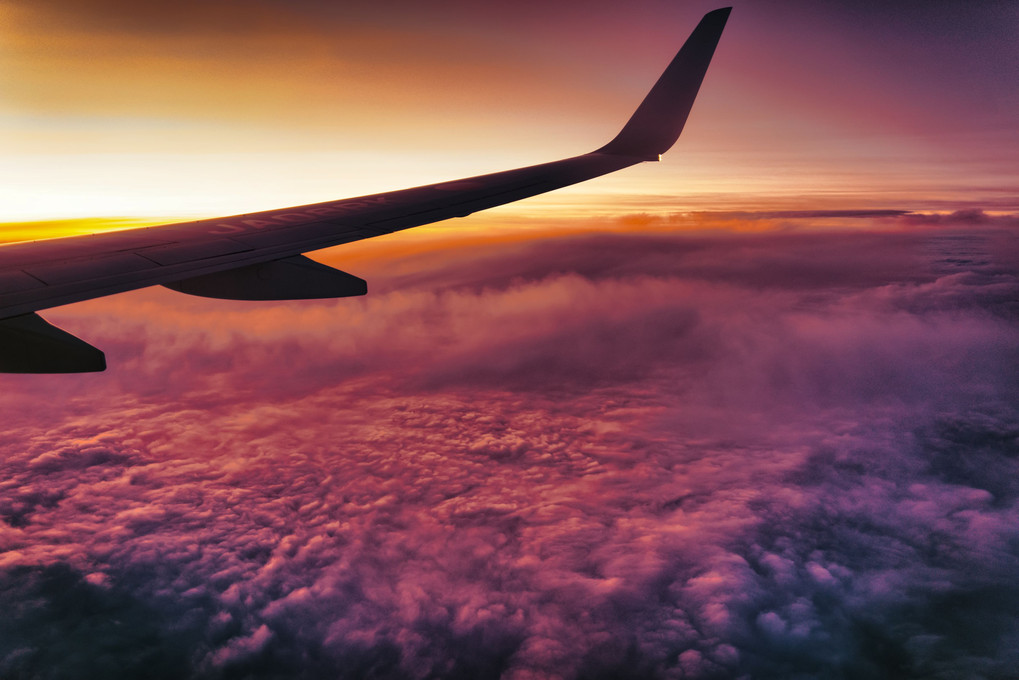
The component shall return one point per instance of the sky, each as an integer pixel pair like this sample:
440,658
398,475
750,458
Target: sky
748,412
203,109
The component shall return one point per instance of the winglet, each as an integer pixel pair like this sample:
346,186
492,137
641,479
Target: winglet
655,125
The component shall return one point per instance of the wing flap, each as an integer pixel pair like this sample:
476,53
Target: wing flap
292,278
179,253
79,270
15,280
29,344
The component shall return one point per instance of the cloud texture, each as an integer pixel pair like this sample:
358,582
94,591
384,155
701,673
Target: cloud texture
647,454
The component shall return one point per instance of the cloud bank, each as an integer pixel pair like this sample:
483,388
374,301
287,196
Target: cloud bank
646,454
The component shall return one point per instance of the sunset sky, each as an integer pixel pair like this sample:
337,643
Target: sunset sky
115,109
750,412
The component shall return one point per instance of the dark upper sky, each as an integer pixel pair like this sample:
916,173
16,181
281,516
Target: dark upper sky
195,107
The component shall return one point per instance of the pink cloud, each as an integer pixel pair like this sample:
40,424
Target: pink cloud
722,456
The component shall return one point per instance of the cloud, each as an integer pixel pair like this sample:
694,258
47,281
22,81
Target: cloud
647,454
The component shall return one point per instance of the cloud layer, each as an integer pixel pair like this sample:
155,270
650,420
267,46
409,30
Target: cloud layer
636,454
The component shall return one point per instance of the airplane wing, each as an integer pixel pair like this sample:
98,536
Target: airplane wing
258,256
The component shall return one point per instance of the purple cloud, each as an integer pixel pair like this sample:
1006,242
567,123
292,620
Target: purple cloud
643,455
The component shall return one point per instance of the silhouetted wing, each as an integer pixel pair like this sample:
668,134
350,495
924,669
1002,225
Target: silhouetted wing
258,256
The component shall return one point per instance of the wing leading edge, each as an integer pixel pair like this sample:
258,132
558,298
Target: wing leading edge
259,255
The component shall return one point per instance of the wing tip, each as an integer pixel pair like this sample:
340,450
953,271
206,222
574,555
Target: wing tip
657,123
